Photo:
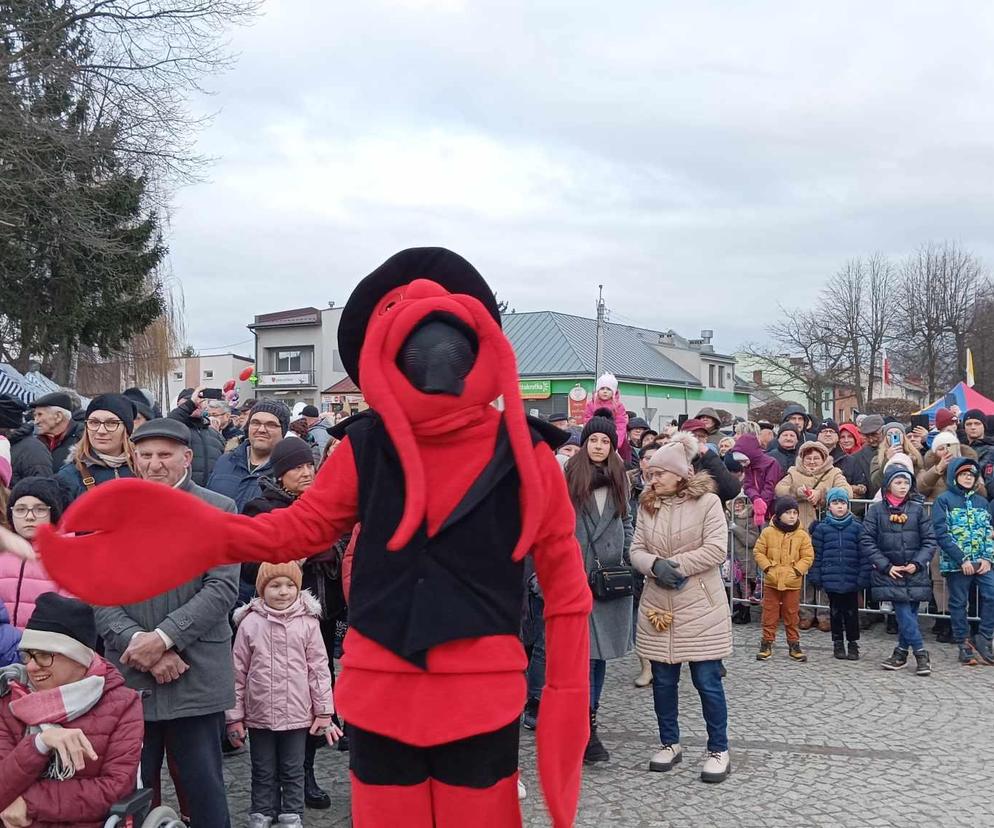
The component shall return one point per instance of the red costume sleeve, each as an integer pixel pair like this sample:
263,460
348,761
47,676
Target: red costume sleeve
564,725
146,538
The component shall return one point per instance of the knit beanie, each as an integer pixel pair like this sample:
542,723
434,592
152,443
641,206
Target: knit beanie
608,381
837,493
891,426
310,411
61,625
116,404
274,407
829,425
944,418
784,503
788,427
677,456
892,473
289,453
47,489
903,460
269,571
944,438
6,470
975,414
600,425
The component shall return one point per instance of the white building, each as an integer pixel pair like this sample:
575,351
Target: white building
208,371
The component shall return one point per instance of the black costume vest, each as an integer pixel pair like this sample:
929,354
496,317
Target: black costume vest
462,583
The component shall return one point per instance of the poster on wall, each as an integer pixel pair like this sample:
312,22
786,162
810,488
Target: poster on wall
577,402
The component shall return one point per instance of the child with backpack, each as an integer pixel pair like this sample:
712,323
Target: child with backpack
898,542
282,691
783,554
839,570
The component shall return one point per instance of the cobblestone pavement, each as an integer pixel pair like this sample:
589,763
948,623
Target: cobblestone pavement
829,742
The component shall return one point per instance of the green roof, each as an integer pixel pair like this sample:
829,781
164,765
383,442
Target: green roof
550,344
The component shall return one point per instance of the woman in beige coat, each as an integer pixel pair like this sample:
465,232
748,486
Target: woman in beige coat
680,543
809,480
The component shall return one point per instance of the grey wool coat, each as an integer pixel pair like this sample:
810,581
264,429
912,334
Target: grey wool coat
195,617
610,535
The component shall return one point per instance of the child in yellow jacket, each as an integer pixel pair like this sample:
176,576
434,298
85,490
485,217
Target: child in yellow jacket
783,554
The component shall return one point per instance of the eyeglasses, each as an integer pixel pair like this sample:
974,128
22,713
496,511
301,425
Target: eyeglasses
264,426
42,659
110,426
34,511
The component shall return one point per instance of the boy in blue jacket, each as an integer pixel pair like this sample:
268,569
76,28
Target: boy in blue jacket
962,520
840,570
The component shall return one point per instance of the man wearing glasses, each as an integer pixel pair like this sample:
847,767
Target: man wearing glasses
237,473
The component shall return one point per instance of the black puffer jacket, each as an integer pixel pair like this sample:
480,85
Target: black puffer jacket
322,572
726,484
206,443
29,456
887,542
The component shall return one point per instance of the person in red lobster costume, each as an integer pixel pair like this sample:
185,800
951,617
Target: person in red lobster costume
451,494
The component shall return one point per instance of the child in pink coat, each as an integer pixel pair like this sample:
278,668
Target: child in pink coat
607,396
282,690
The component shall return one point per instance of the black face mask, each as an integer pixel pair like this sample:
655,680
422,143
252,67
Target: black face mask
438,355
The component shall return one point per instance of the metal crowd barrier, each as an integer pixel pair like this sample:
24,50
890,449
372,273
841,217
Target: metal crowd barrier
740,579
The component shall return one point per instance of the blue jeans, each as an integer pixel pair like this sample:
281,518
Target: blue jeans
958,588
598,669
706,676
909,634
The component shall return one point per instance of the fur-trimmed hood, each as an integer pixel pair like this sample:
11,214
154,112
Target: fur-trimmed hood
306,604
697,486
813,445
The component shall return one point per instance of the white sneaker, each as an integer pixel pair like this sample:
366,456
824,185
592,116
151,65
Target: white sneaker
259,821
290,820
522,790
717,766
666,758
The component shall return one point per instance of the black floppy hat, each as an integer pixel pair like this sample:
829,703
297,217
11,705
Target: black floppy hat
448,269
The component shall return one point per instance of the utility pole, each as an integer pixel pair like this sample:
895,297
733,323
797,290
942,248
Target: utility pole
599,351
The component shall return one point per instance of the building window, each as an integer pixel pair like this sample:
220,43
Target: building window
721,376
757,377
208,375
287,362
177,375
711,382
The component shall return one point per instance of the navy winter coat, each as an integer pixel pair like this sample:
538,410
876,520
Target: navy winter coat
231,476
10,637
72,480
885,543
839,566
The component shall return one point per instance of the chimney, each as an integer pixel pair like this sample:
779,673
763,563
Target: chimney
707,336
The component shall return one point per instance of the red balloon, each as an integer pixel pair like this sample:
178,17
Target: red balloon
229,385
246,373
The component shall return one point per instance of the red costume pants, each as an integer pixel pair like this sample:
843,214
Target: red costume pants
472,781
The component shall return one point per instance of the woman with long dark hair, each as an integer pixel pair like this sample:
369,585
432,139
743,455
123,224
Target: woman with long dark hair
598,487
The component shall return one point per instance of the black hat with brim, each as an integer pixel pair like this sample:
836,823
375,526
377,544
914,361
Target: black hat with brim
448,269
57,399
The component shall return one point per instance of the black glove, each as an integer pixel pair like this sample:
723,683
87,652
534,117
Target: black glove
666,573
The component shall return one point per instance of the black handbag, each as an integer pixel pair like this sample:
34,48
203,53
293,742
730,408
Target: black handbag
608,583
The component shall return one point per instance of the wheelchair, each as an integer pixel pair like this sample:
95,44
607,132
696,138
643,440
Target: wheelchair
136,811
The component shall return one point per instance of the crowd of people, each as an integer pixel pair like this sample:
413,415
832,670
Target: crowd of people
682,530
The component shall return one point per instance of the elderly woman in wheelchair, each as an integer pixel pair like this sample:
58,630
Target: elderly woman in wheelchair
70,731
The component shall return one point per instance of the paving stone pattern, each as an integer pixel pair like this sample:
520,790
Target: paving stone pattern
827,743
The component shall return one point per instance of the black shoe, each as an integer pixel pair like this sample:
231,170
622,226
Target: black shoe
897,660
595,752
853,651
923,665
530,718
891,628
839,649
314,795
945,637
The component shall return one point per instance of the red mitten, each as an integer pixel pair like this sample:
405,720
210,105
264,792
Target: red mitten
140,540
759,511
564,719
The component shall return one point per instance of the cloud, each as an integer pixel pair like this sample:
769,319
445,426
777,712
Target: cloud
701,161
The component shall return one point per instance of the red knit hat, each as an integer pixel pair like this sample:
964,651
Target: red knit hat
944,418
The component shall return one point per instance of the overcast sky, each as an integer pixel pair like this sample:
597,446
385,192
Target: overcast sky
702,160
